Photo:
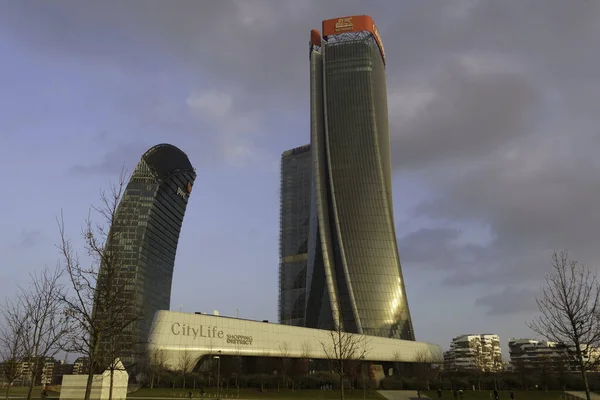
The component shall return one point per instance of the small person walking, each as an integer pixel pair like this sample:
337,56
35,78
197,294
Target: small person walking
439,394
512,395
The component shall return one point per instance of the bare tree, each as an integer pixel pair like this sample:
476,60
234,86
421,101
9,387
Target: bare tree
522,372
300,366
546,370
424,367
101,304
343,349
186,364
156,365
284,350
238,366
44,325
306,350
570,312
265,367
14,319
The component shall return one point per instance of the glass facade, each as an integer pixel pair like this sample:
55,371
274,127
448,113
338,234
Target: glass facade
354,276
144,237
294,216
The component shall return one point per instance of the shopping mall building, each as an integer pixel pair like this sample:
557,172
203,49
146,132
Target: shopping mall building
195,337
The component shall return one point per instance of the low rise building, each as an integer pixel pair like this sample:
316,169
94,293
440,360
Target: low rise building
531,354
200,337
474,352
540,355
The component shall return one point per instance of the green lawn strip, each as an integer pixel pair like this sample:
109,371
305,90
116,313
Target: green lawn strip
257,394
503,394
21,391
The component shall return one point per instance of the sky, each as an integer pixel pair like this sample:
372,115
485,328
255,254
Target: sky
494,112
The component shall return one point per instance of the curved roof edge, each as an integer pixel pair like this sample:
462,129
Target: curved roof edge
165,158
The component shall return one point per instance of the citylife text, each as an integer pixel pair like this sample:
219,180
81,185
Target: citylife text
208,332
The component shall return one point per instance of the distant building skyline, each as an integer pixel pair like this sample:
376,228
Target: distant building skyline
354,278
294,214
147,225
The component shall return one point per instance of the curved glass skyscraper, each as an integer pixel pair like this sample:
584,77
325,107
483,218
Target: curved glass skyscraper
143,237
354,278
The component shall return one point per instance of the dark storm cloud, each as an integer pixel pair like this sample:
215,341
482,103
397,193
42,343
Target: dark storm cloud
440,248
471,115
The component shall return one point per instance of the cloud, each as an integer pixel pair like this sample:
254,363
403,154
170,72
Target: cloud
473,106
29,239
235,129
117,158
509,301
494,110
501,136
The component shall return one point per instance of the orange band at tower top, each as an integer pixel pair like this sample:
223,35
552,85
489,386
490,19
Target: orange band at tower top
355,23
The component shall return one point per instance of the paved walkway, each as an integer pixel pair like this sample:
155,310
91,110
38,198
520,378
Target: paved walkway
581,395
400,394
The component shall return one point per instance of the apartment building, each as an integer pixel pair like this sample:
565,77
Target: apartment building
474,352
532,354
81,366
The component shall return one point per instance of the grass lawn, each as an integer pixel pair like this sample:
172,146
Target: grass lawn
20,391
503,394
256,394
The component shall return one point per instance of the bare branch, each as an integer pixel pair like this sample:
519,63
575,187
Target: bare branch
42,326
345,351
12,332
100,307
570,312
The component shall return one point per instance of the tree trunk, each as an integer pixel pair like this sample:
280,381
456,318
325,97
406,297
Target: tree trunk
152,381
88,385
110,389
585,380
7,390
582,367
35,372
30,389
32,380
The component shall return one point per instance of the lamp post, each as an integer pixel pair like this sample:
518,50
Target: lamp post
218,374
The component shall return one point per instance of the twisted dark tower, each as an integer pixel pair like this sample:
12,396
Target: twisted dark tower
354,278
294,214
144,236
